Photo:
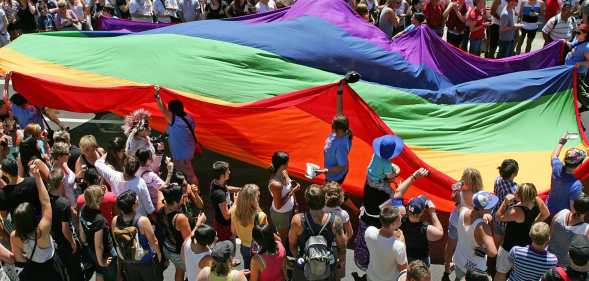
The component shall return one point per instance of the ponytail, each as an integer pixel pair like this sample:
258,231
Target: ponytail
272,169
279,159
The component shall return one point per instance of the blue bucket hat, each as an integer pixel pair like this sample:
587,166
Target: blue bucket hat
387,147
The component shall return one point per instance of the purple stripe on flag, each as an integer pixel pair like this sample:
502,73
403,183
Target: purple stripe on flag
115,24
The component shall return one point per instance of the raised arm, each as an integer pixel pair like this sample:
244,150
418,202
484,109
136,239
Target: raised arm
435,231
194,195
160,104
447,11
506,214
46,212
404,186
561,142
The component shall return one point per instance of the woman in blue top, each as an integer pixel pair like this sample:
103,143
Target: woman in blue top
181,136
564,186
335,153
579,57
529,13
336,150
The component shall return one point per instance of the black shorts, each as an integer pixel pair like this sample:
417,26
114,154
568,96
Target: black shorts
530,33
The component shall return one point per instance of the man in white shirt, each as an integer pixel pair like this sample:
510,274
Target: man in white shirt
560,26
387,251
121,182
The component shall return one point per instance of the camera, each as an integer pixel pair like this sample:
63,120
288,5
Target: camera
156,140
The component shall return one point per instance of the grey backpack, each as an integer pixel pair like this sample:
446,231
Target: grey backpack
318,254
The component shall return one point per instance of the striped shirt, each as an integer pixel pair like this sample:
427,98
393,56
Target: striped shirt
528,264
502,188
558,29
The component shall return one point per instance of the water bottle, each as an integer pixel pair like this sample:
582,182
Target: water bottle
301,263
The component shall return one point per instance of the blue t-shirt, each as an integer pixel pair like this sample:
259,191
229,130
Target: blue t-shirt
27,115
378,170
564,187
180,139
335,153
577,54
46,23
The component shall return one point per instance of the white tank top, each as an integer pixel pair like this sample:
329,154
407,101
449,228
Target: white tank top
561,234
289,205
464,255
41,254
193,260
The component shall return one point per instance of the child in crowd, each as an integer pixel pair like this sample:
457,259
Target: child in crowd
334,198
45,21
196,250
504,185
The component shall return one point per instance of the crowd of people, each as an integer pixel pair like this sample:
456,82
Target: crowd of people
28,16
505,27
127,211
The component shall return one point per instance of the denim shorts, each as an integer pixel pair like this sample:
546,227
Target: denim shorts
109,273
174,258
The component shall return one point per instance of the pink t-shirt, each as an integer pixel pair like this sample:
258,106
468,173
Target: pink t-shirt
109,201
273,269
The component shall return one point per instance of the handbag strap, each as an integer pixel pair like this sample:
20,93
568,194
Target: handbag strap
30,258
189,126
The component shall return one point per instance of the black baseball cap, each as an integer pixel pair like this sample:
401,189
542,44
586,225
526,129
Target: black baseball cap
579,253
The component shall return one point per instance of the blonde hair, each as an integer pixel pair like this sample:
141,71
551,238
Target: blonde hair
334,195
88,142
91,196
33,129
540,233
526,192
246,205
472,177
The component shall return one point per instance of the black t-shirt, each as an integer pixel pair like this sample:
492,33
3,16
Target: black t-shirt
119,12
74,155
13,195
26,20
373,198
415,239
219,194
61,213
218,13
92,221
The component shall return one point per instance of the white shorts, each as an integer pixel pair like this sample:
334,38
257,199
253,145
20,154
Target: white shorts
503,264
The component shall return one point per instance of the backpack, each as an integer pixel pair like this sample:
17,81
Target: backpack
318,254
127,241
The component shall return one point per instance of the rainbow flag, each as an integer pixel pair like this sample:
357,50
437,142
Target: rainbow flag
266,82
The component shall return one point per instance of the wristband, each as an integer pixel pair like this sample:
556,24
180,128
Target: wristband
562,141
